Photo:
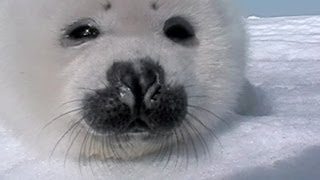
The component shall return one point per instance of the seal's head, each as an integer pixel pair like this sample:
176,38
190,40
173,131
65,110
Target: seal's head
134,75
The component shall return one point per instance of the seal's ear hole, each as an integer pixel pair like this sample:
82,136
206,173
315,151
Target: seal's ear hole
178,30
80,32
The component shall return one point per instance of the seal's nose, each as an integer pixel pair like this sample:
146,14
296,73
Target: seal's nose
137,99
142,77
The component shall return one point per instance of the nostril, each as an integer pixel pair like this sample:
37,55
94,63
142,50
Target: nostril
121,73
152,97
151,73
148,79
130,80
138,82
156,94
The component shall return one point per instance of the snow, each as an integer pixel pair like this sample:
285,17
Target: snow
282,144
253,17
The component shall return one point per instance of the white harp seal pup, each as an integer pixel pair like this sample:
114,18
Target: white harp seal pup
118,78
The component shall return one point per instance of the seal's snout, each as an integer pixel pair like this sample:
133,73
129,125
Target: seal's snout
138,82
137,99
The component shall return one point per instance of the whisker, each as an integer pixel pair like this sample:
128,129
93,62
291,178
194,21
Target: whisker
210,112
60,116
74,129
169,150
212,134
189,86
164,148
96,147
192,143
120,145
90,139
104,84
82,151
71,101
60,139
71,144
201,139
198,96
185,145
178,146
161,150
104,139
87,89
115,153
181,73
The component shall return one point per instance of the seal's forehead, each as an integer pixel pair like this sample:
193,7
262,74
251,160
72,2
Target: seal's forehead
142,15
142,10
136,6
152,4
118,13
127,7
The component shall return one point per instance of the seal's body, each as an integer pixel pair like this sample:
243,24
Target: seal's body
123,77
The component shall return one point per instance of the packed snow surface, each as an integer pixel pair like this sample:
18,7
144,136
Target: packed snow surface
283,143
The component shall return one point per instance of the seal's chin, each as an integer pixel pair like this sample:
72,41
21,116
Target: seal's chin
131,145
129,136
137,130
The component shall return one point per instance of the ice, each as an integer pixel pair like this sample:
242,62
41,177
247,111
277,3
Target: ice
253,17
282,144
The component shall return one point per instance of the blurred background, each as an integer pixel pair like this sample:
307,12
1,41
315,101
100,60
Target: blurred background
271,8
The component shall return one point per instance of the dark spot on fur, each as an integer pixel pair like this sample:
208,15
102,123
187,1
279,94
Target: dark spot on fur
107,6
155,6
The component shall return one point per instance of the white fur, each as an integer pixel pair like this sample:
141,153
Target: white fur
37,74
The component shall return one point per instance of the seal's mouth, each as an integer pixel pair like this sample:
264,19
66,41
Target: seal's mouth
136,100
138,126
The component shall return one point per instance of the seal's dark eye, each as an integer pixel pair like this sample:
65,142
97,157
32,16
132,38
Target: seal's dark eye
179,30
80,32
84,31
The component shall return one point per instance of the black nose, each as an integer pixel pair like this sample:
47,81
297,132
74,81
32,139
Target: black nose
137,99
143,78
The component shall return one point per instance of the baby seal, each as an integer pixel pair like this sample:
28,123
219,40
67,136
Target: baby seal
118,78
